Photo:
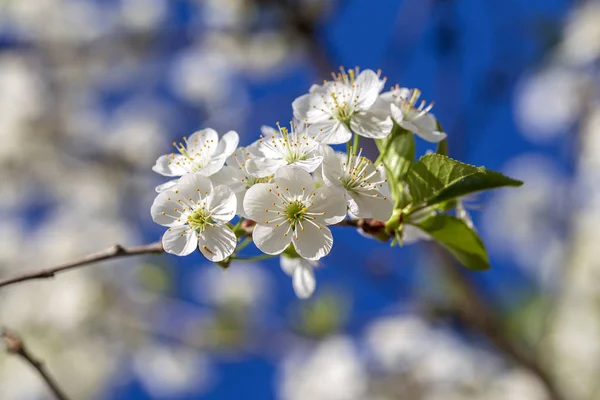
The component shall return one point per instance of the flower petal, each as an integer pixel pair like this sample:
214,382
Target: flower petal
271,239
263,166
200,184
166,186
427,129
368,125
289,264
292,180
368,86
171,165
332,202
314,242
258,199
228,144
217,242
364,205
163,210
203,141
304,282
330,132
310,164
309,108
180,240
397,113
222,203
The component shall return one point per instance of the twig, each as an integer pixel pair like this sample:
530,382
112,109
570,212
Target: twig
476,314
15,345
116,251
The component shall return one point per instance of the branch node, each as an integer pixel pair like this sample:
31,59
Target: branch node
118,249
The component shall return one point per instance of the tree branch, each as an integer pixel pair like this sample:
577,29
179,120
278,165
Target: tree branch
116,251
15,345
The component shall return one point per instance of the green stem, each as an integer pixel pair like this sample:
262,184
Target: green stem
239,224
355,144
243,245
255,258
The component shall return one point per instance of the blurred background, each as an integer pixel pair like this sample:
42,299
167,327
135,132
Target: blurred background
93,91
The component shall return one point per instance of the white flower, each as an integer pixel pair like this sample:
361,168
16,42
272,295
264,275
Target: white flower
336,109
364,187
196,214
410,116
301,271
283,147
235,175
291,210
202,153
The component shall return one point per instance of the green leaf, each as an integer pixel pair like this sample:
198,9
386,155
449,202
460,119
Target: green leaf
482,180
460,240
397,153
436,178
433,173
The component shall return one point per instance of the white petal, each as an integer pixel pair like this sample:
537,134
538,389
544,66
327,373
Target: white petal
166,186
213,166
228,144
258,198
331,201
171,165
366,124
364,206
309,108
271,240
304,282
427,129
268,131
203,142
310,164
262,166
166,203
397,113
231,177
200,184
330,132
180,240
368,85
293,180
332,169
217,242
313,243
222,204
289,264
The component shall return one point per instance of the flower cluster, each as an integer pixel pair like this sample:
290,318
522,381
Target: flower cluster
290,183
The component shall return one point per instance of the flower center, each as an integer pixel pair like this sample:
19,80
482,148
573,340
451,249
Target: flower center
196,161
410,108
295,211
200,219
250,180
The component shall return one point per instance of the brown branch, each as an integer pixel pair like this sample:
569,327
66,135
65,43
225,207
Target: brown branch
116,251
15,345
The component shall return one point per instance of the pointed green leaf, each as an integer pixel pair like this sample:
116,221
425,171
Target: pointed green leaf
460,240
397,154
436,178
433,173
482,180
